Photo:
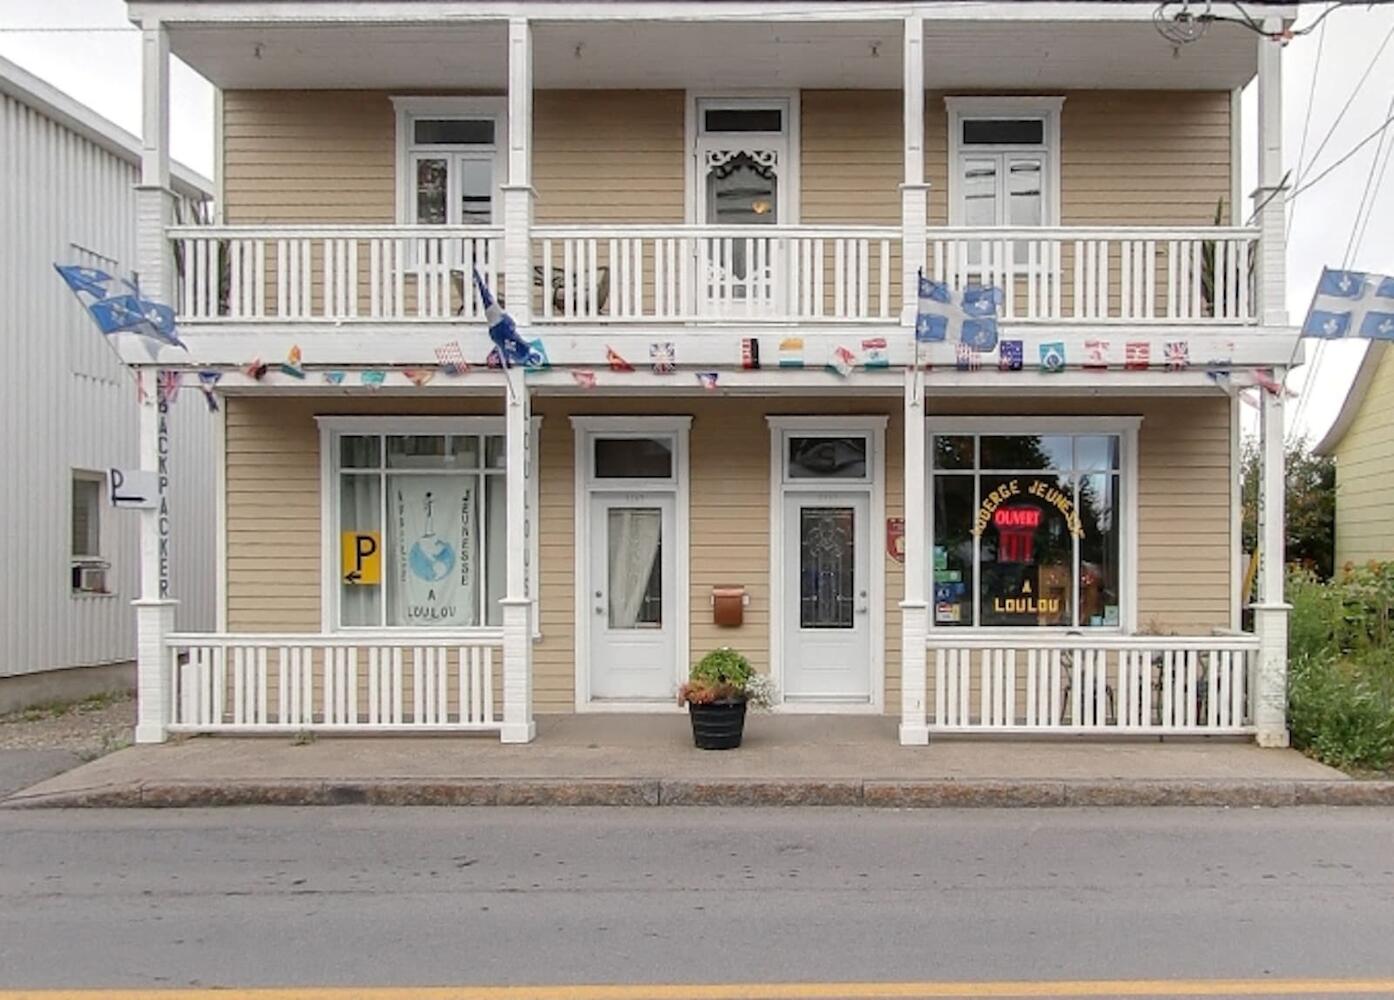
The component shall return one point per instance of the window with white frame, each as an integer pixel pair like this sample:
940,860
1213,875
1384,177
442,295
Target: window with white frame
1004,161
449,160
87,567
419,519
1028,527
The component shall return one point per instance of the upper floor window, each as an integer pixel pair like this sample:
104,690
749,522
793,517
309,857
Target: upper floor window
1004,161
450,160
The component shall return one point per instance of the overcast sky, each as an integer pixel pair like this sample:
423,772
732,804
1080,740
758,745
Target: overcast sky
102,69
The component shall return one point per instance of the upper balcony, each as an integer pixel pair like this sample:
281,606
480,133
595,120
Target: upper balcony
645,169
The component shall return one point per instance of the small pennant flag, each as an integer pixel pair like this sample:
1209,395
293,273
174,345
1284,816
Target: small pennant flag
1263,378
707,380
493,359
537,356
451,359
966,359
334,378
583,377
1096,354
418,376
1053,357
255,369
208,382
1009,356
141,393
292,365
874,353
1137,355
615,361
663,358
842,361
750,353
373,379
1178,355
168,384
791,352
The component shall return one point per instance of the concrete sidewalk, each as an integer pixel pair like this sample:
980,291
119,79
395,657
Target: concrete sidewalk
649,760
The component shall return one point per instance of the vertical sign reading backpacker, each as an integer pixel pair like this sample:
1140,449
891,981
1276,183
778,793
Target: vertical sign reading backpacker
433,547
162,468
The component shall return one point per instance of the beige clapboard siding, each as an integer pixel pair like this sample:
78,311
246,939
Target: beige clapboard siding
1142,157
273,512
1365,474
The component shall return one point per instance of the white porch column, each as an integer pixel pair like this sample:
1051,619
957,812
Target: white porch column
1269,198
914,192
155,607
1271,610
518,193
914,609
518,724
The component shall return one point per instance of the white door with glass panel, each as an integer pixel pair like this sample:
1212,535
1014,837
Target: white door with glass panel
632,585
742,160
827,597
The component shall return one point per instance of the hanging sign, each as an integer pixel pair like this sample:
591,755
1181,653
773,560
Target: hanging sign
133,489
1042,490
360,558
434,572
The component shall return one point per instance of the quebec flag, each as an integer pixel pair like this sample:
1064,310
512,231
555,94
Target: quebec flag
513,349
1351,304
972,313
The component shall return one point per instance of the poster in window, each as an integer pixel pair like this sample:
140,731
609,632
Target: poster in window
433,550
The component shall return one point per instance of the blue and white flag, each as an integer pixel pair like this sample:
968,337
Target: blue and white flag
117,306
972,313
1351,304
513,349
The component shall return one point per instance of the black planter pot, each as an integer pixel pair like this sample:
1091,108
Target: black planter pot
718,725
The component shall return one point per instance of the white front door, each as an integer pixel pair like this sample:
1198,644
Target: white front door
827,597
631,597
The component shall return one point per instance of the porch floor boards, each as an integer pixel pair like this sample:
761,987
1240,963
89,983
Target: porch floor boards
617,746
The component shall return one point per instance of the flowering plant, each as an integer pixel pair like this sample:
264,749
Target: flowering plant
726,675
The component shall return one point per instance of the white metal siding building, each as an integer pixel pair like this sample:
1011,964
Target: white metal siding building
68,408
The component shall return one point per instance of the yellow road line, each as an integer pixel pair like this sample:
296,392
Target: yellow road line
757,991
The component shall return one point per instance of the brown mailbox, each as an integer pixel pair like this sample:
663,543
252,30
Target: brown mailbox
728,606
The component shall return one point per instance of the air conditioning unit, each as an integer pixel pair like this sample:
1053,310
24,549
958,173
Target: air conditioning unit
89,577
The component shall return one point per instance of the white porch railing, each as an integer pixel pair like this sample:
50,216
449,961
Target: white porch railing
711,273
1200,274
365,682
1107,684
249,273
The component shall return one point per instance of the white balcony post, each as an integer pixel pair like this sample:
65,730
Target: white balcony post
1271,611
914,192
518,192
155,607
518,724
1270,197
914,609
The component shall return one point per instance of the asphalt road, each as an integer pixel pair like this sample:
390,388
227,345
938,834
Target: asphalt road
351,896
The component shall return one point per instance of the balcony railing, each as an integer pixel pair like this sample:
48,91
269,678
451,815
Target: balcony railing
364,682
1143,685
317,273
1194,275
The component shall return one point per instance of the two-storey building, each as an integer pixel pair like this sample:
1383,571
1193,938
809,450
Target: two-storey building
711,217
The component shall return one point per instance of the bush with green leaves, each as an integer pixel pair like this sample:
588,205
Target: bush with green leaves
1341,666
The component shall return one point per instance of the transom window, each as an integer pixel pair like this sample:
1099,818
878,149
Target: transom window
1027,529
420,523
646,457
449,161
1004,157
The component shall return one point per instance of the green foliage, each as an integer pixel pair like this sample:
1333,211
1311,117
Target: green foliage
725,674
1310,498
1341,666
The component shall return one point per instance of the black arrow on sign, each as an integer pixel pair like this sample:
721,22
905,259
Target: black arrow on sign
353,577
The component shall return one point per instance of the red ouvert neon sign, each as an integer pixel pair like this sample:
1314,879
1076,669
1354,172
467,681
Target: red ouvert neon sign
1016,533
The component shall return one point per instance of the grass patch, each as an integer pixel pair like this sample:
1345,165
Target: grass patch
58,708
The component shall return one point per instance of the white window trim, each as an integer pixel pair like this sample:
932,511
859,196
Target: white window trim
408,108
874,429
330,428
1046,108
584,431
1127,428
789,174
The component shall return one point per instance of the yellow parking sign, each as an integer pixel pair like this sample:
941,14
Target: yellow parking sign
360,558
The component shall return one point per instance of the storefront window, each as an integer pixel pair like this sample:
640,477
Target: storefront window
1026,530
421,529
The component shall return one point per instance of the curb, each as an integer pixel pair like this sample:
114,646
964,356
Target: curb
871,793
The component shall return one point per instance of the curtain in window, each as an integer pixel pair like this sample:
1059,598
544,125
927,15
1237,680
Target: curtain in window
635,538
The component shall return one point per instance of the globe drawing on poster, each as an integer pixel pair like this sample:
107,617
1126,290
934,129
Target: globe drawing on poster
433,529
